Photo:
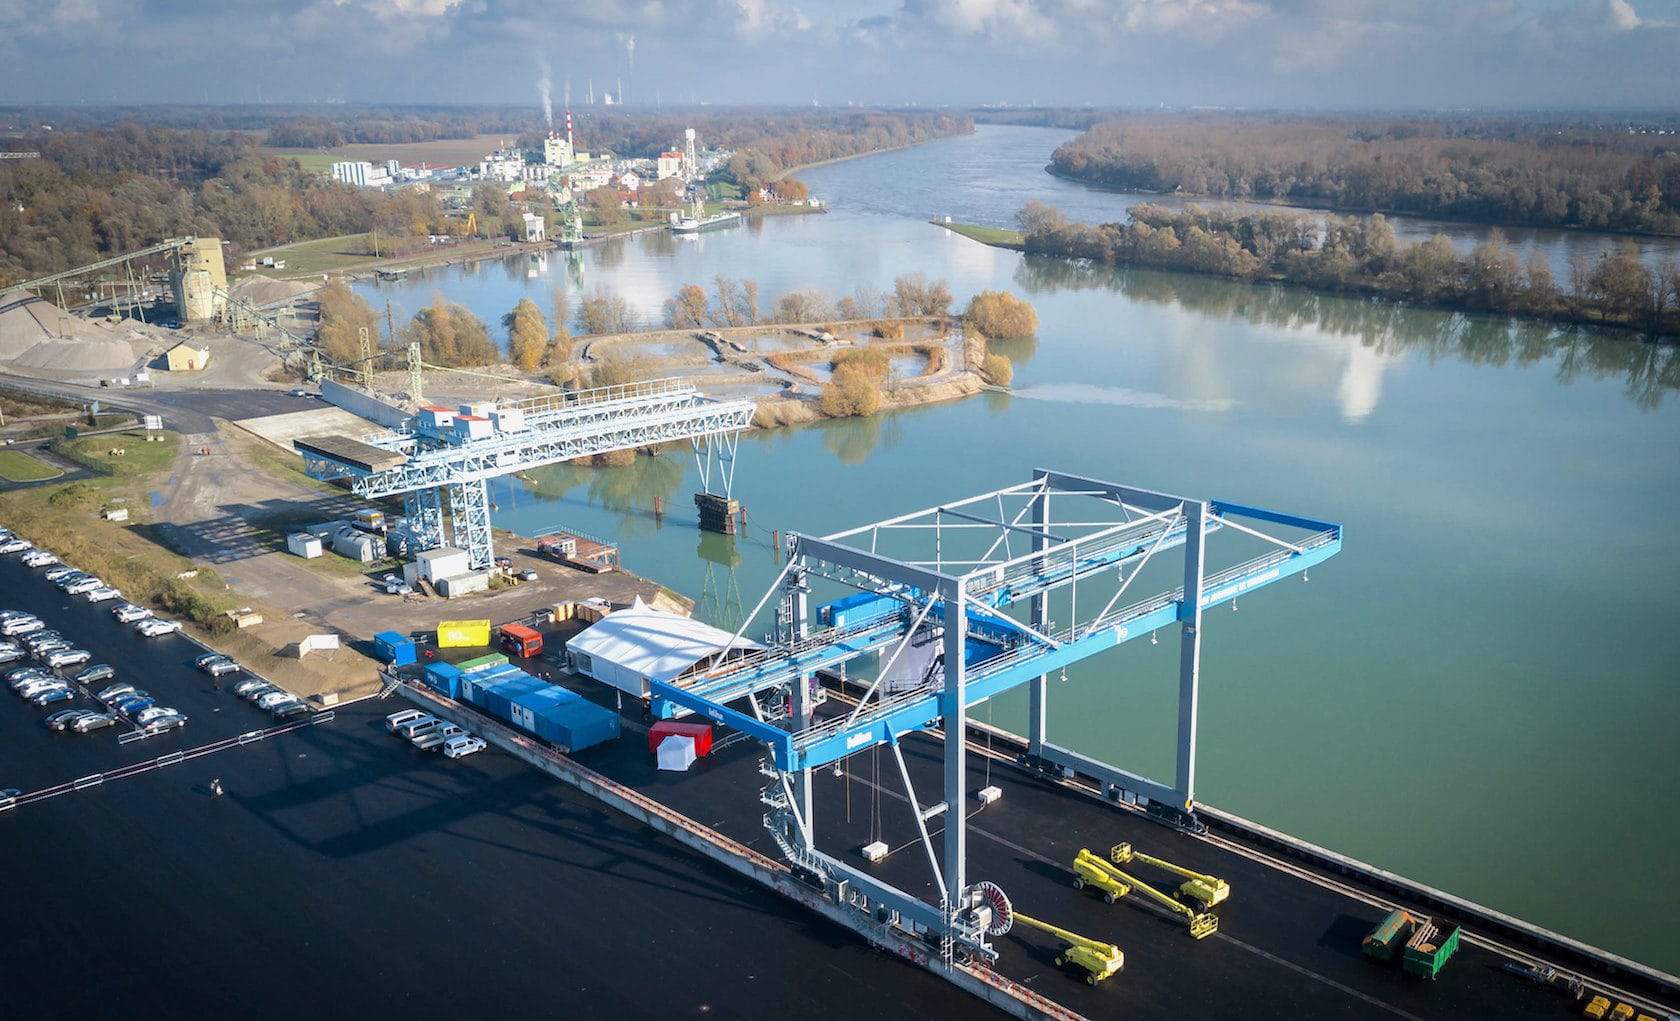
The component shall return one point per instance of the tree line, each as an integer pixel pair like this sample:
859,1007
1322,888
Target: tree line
1361,255
1606,174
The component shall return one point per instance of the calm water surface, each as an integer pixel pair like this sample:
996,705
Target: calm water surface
1481,692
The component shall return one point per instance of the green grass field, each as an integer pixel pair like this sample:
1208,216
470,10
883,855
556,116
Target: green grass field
322,256
986,235
16,466
138,457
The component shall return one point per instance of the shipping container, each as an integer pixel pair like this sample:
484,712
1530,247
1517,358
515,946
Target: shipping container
700,732
1389,935
463,634
519,640
473,685
394,647
578,725
483,662
444,678
1428,949
498,698
304,545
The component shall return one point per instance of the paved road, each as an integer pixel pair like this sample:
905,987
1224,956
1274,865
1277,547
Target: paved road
184,411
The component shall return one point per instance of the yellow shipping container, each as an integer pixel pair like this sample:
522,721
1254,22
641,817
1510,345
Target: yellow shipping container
463,634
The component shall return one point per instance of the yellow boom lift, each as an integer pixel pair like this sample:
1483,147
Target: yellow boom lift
1106,876
1098,959
1203,889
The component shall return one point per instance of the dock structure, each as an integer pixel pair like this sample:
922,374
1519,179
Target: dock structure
940,595
445,454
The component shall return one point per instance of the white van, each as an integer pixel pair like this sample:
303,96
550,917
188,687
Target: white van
400,717
414,728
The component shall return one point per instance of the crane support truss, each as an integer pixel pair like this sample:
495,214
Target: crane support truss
978,579
555,428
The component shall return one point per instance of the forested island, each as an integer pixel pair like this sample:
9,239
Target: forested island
1611,174
1361,256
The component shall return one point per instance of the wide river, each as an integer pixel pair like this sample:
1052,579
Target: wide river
1482,692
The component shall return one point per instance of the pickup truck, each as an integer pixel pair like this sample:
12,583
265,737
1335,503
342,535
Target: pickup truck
435,737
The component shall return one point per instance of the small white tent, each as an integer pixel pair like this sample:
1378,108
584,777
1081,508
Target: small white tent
676,753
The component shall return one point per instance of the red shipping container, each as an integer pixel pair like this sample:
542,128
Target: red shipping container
700,732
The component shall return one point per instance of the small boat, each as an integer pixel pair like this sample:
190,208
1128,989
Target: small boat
696,220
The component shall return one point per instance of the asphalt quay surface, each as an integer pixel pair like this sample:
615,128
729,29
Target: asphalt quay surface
345,874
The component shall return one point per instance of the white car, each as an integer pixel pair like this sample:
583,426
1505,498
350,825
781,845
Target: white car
274,698
151,713
128,613
68,657
38,558
102,594
461,746
152,627
83,586
16,546
34,688
21,626
400,717
433,738
61,571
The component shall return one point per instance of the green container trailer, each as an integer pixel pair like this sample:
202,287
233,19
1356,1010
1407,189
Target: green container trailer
1390,935
482,663
1430,946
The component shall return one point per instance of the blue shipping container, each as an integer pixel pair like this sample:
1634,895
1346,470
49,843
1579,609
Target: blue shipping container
394,648
577,725
525,709
474,685
444,678
498,698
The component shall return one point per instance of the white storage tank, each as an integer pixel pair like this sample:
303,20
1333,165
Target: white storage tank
304,545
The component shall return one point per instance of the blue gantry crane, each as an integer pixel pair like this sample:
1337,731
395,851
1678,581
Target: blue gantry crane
981,596
453,452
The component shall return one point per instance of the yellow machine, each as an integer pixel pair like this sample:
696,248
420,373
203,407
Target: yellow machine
1098,959
1090,870
1204,890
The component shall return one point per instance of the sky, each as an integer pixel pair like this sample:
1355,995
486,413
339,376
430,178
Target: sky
1106,53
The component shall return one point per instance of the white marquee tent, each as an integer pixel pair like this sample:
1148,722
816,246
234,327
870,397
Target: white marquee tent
632,647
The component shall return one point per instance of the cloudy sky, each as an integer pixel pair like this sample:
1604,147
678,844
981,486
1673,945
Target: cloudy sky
1339,53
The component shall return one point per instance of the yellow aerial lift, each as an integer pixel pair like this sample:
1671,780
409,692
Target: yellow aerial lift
1090,870
1098,959
1203,889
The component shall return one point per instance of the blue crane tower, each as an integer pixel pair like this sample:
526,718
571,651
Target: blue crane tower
452,453
978,597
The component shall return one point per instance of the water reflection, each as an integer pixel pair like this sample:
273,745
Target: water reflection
1385,330
631,492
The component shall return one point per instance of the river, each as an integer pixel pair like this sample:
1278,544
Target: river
1479,693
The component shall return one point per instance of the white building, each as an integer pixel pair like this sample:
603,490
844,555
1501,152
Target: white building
557,151
638,645
670,164
363,174
534,228
506,165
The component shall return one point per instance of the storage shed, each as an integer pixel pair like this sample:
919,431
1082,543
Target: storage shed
304,545
443,562
636,646
185,357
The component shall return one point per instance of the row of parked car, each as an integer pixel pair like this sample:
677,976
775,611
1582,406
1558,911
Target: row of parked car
44,684
428,733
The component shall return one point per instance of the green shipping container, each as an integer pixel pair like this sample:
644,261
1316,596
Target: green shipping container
1428,949
1389,935
482,662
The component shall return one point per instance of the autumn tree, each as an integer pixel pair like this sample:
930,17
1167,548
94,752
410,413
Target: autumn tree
914,295
603,311
1002,315
449,334
528,338
688,309
344,315
809,306
607,203
790,189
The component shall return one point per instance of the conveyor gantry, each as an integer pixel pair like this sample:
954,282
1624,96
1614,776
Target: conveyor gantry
960,576
552,429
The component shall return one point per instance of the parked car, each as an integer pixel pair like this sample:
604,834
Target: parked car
16,545
64,581
462,745
37,640
395,586
83,585
24,674
286,710
35,685
249,685
38,558
270,699
400,717
163,723
58,572
128,705
21,626
11,653
414,728
68,657
432,739
128,613
48,697
96,673
116,691
48,647
257,693
64,718
152,712
216,665
103,594
153,627
93,721
528,574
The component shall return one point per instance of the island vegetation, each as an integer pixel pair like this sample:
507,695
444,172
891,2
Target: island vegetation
1606,173
1360,255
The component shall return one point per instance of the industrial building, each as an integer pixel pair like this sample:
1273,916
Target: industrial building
363,174
187,357
198,277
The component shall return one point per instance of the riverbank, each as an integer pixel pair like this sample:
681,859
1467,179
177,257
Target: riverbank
997,237
797,167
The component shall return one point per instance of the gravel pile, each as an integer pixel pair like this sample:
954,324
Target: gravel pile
34,335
